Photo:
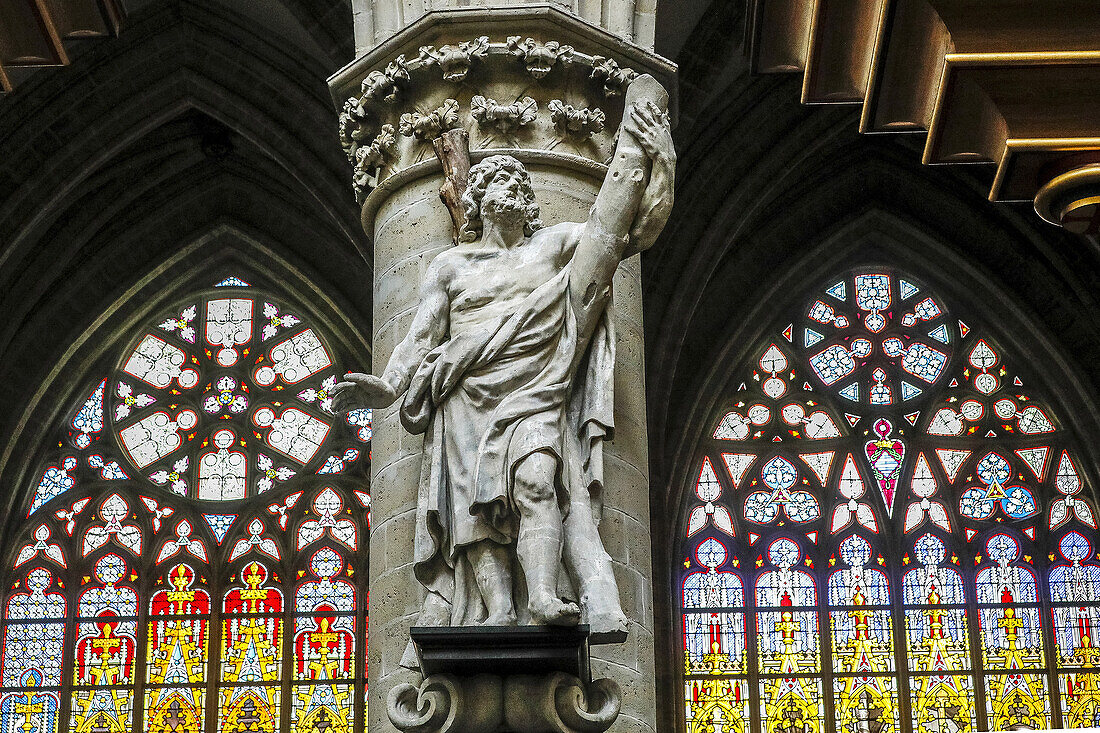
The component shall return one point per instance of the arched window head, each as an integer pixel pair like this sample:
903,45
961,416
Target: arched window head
197,532
889,479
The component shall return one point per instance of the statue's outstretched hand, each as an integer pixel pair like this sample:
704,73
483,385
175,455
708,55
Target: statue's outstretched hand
651,127
362,390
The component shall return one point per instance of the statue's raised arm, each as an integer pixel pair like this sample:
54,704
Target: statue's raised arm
634,201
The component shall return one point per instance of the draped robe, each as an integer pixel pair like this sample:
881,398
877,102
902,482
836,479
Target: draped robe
489,397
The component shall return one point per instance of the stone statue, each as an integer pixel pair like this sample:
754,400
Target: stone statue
507,370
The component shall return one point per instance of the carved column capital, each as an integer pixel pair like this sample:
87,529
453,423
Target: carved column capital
556,87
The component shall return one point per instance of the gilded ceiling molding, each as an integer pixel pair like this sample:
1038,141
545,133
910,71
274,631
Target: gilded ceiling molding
34,34
1004,83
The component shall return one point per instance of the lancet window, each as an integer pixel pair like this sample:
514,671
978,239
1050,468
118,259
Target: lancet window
915,523
194,556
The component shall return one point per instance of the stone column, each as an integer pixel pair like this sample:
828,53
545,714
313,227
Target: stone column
542,85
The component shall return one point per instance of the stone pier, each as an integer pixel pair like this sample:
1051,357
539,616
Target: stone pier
547,87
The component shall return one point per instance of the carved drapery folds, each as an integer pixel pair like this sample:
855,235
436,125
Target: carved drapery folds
508,91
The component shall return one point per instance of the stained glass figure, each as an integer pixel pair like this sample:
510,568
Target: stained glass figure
251,652
34,633
788,640
862,642
29,709
106,644
324,636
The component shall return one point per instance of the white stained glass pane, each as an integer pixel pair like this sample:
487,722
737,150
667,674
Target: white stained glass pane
157,362
298,435
295,359
223,474
229,321
150,438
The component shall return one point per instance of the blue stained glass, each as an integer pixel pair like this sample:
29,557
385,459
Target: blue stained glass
32,709
872,584
832,364
362,419
811,337
993,469
55,481
779,473
717,632
231,282
873,292
918,583
927,309
940,334
89,419
908,289
908,391
711,553
923,362
219,524
713,589
992,583
786,586
851,392
1077,582
838,291
931,583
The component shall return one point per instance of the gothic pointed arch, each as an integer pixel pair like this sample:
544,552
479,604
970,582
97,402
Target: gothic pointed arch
891,523
192,541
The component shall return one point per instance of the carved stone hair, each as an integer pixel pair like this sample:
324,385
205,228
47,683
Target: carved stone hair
480,175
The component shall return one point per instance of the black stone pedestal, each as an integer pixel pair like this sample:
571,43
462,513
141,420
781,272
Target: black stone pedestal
514,679
502,650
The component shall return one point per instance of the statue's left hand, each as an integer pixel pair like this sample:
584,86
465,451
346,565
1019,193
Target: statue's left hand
362,390
651,127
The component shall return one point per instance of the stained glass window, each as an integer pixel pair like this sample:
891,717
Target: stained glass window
194,554
889,530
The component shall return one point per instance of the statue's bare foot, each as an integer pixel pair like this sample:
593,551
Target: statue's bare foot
503,618
609,623
550,611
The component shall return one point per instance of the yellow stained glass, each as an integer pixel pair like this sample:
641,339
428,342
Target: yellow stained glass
322,709
254,709
866,703
1017,700
716,705
102,710
174,710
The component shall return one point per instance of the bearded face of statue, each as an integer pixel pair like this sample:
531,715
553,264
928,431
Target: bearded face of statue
499,191
503,203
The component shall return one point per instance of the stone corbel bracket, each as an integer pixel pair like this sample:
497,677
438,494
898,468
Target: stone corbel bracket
551,703
456,56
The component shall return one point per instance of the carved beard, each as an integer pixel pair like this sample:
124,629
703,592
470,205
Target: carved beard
506,210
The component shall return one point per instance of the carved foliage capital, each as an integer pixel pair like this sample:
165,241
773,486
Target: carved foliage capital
521,92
